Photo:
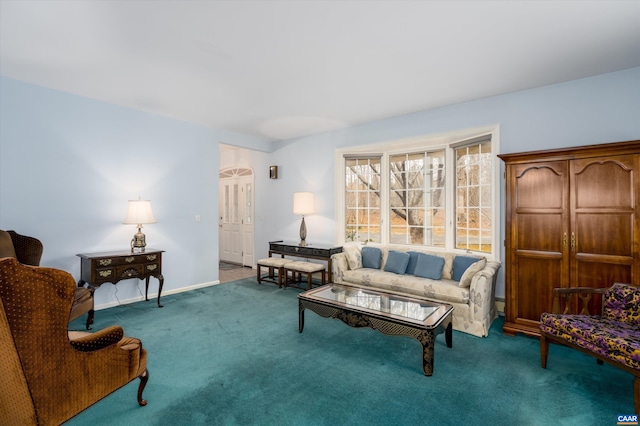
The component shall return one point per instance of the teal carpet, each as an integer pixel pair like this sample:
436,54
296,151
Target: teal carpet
231,354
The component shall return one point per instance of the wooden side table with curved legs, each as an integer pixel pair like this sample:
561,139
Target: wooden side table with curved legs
112,267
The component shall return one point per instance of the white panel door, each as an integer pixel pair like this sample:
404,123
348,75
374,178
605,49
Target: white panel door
231,219
236,216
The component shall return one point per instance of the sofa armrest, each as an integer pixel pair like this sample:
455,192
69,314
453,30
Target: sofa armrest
482,292
339,264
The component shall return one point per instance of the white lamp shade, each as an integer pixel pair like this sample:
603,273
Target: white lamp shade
303,203
139,212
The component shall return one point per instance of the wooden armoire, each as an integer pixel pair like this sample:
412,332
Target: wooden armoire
572,220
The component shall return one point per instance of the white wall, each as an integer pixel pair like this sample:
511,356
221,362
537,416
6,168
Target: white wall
589,111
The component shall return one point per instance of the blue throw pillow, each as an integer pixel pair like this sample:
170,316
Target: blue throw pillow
397,262
460,264
413,258
371,257
429,266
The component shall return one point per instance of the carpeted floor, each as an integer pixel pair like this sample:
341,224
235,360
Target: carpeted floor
231,354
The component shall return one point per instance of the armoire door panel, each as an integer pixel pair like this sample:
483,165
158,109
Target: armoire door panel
600,274
605,233
540,186
542,232
536,279
603,182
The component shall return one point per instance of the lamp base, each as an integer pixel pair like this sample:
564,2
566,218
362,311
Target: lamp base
303,233
138,242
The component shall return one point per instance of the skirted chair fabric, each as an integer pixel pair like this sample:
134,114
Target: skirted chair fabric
28,251
47,374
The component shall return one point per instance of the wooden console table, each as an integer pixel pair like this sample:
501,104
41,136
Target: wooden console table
310,251
113,266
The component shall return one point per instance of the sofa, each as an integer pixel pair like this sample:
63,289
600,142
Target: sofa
612,337
465,281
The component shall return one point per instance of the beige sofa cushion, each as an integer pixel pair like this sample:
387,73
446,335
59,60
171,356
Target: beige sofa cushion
443,290
465,280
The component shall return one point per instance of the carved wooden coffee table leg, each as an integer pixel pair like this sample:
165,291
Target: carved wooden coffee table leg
427,339
300,317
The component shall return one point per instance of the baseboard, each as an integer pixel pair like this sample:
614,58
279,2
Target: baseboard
154,296
500,306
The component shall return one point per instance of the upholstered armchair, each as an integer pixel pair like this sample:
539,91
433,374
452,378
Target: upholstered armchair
28,251
612,336
47,374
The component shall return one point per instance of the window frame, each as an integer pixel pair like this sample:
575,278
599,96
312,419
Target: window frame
447,141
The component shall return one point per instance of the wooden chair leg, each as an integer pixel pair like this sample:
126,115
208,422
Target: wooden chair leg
280,272
258,274
144,378
286,278
544,351
309,278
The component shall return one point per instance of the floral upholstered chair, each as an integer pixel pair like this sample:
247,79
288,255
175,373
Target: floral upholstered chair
612,337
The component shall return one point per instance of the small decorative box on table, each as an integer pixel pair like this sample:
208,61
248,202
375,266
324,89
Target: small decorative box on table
111,267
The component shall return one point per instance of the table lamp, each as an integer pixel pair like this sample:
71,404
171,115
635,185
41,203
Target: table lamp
139,212
303,204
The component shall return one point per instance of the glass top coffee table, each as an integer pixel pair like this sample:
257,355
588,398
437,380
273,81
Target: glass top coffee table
388,313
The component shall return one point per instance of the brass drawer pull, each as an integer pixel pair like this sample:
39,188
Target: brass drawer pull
152,257
105,274
152,267
129,259
105,262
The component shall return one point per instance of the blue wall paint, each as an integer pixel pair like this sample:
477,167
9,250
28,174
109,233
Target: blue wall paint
588,111
68,164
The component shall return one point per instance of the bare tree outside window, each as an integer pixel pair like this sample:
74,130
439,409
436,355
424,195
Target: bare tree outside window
474,213
416,198
362,199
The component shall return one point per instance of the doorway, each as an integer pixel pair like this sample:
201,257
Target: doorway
236,216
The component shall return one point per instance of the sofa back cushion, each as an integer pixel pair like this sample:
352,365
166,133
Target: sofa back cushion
429,266
460,265
397,262
465,280
353,254
413,260
371,257
622,303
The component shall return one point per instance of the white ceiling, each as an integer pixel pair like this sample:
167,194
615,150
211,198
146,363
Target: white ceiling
283,69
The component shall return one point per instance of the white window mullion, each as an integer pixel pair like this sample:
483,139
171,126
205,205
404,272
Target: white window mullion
450,204
384,200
